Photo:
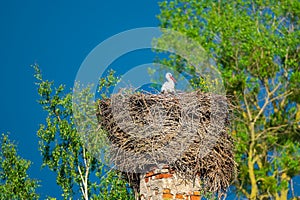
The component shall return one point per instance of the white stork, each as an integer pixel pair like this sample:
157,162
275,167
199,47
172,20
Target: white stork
169,85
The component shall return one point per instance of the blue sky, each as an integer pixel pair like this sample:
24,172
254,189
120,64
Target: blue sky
57,35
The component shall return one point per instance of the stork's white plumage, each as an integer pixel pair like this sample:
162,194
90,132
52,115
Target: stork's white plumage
169,85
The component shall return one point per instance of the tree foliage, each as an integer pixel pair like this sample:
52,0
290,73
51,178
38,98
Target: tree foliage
255,45
14,180
79,173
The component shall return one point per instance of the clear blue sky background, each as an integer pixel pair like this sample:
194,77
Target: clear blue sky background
58,35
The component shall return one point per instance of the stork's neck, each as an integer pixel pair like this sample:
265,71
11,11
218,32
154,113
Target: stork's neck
170,80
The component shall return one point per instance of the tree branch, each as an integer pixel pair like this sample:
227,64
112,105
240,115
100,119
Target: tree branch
84,180
267,101
271,129
247,108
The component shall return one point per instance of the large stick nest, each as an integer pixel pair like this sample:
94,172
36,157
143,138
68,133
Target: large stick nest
186,131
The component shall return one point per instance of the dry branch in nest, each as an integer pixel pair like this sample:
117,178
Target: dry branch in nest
187,131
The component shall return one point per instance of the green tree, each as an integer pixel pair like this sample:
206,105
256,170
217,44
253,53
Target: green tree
63,149
255,45
14,180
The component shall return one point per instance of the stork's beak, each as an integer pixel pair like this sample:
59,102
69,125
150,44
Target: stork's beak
173,79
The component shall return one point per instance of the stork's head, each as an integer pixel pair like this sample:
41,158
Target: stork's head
170,77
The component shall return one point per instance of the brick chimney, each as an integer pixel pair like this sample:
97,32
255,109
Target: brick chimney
165,184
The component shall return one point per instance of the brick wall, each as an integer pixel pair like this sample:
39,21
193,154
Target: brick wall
163,184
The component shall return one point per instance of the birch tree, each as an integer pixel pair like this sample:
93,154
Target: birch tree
79,172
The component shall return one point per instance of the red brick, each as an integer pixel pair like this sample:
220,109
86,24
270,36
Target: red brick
160,176
151,173
166,190
195,197
179,196
167,175
167,196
